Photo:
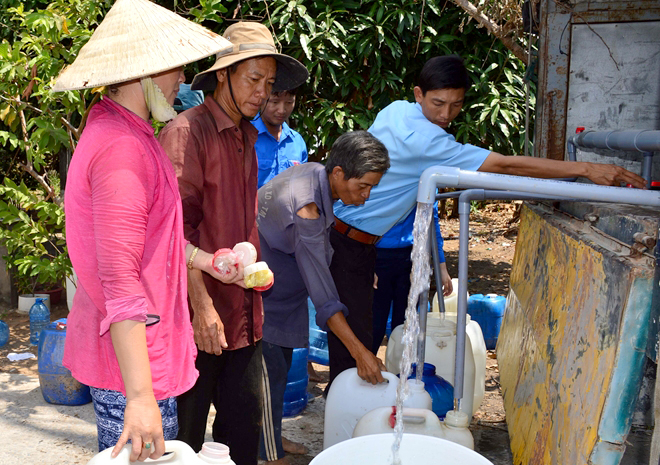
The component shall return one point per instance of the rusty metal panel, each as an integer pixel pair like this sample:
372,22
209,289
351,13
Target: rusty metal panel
559,20
613,84
565,351
554,44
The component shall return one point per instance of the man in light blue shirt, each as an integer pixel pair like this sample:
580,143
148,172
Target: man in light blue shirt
393,267
415,136
278,146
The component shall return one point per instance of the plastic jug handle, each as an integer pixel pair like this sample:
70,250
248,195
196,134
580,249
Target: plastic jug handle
177,452
389,378
410,415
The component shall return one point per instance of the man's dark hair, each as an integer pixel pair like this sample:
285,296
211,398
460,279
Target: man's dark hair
284,93
358,153
444,72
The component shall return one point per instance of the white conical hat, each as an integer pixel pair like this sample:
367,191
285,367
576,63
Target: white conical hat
138,38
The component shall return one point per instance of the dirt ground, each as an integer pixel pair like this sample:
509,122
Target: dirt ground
37,432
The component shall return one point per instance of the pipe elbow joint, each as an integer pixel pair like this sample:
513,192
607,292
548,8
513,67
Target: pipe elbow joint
434,177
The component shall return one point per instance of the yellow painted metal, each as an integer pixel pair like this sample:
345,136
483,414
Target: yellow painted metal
558,343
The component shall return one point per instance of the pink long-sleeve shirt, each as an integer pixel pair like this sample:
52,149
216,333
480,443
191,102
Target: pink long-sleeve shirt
124,227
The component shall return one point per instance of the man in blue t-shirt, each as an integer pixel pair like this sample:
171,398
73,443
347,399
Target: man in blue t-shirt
278,146
415,136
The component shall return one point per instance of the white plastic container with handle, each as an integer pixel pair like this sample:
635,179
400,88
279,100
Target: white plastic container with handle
177,453
349,399
441,352
417,421
451,301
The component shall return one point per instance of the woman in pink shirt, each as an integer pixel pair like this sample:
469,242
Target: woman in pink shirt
129,335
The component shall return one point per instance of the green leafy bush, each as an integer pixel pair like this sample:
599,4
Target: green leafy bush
361,56
33,232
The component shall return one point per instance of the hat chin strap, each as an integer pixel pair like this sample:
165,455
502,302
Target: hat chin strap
231,93
157,104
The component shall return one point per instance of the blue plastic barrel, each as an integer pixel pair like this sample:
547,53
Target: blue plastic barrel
57,384
4,333
318,339
440,390
488,310
295,395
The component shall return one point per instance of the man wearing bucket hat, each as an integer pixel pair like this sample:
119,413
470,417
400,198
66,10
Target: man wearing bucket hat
212,149
129,335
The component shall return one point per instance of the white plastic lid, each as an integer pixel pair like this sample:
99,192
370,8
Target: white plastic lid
247,252
456,419
254,268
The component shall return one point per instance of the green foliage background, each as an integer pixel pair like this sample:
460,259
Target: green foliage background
361,56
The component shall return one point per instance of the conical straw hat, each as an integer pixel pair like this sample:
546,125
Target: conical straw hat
138,38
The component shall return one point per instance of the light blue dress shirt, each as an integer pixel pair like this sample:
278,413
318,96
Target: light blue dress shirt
401,234
414,144
276,156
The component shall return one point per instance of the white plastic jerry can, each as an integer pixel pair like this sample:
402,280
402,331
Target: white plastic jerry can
417,395
479,354
349,398
177,453
441,352
451,301
417,421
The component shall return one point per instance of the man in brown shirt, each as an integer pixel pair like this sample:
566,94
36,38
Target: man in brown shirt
212,149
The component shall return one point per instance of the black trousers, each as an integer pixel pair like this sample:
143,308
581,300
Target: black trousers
233,382
277,363
352,269
393,268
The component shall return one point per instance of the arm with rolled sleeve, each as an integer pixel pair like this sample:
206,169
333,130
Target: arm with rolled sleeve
122,186
121,189
310,249
310,257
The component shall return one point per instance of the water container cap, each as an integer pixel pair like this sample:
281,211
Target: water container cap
39,300
214,450
416,385
457,419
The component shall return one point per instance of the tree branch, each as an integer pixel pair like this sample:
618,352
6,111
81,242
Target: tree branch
28,167
494,29
65,122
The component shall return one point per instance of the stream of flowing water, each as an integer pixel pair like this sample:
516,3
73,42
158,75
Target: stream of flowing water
420,280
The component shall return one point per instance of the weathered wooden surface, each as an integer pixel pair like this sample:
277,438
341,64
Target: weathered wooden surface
572,342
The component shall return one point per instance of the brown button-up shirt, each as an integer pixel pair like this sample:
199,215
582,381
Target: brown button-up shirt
216,166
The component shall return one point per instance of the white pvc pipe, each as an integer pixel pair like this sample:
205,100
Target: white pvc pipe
443,176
